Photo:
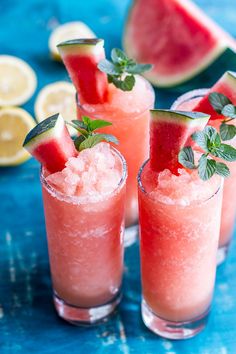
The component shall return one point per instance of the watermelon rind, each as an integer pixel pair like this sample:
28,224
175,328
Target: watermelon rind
86,46
45,130
230,78
219,59
170,131
182,117
165,81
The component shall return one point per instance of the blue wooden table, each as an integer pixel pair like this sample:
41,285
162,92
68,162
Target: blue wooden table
28,322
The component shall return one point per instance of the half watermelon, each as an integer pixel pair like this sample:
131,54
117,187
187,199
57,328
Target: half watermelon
50,143
225,85
178,39
170,131
81,57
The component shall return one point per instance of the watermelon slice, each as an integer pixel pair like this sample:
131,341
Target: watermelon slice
81,57
227,86
170,131
179,39
50,143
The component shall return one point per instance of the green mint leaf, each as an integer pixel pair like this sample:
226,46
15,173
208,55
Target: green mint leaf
208,139
95,139
186,157
118,56
227,131
229,111
81,131
201,139
112,79
79,124
206,168
119,66
125,85
109,68
128,83
98,123
138,68
78,141
225,152
213,136
218,101
222,169
109,138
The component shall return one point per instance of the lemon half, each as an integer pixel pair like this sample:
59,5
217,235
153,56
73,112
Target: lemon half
17,81
65,32
15,123
58,97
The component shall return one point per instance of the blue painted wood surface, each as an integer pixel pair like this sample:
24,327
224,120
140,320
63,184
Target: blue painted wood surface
28,322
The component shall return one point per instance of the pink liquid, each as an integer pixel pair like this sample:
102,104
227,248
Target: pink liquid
229,195
129,114
84,211
179,225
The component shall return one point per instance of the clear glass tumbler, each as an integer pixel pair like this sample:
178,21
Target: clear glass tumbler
186,102
129,113
178,246
85,244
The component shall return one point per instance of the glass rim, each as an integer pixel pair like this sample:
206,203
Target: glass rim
188,96
78,200
136,115
194,203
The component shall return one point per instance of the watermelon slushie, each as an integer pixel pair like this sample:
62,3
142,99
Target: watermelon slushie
129,113
84,211
187,102
179,234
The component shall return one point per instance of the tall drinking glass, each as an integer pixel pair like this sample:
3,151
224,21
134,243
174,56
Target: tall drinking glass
129,113
85,243
187,102
179,234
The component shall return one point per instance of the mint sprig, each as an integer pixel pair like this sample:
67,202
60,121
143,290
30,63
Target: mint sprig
209,141
88,138
223,105
121,69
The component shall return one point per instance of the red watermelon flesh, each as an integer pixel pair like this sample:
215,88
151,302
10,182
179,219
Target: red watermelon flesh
50,143
170,131
225,85
175,36
81,58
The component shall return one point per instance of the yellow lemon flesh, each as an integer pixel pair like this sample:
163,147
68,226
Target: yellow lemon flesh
17,81
15,123
58,97
65,32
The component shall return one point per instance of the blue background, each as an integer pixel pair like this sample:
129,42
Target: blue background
28,322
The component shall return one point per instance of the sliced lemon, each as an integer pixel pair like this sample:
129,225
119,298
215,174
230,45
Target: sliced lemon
58,97
15,123
69,30
17,81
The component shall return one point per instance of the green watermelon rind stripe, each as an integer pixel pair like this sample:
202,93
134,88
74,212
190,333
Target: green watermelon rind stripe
45,130
80,46
219,60
229,78
168,81
181,117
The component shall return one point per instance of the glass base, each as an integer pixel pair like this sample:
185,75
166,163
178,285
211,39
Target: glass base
173,330
131,235
222,254
81,316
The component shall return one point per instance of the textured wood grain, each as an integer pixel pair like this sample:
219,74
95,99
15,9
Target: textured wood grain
28,322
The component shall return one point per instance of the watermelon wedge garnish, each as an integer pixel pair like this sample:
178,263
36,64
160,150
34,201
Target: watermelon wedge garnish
81,57
178,39
170,131
50,143
225,85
